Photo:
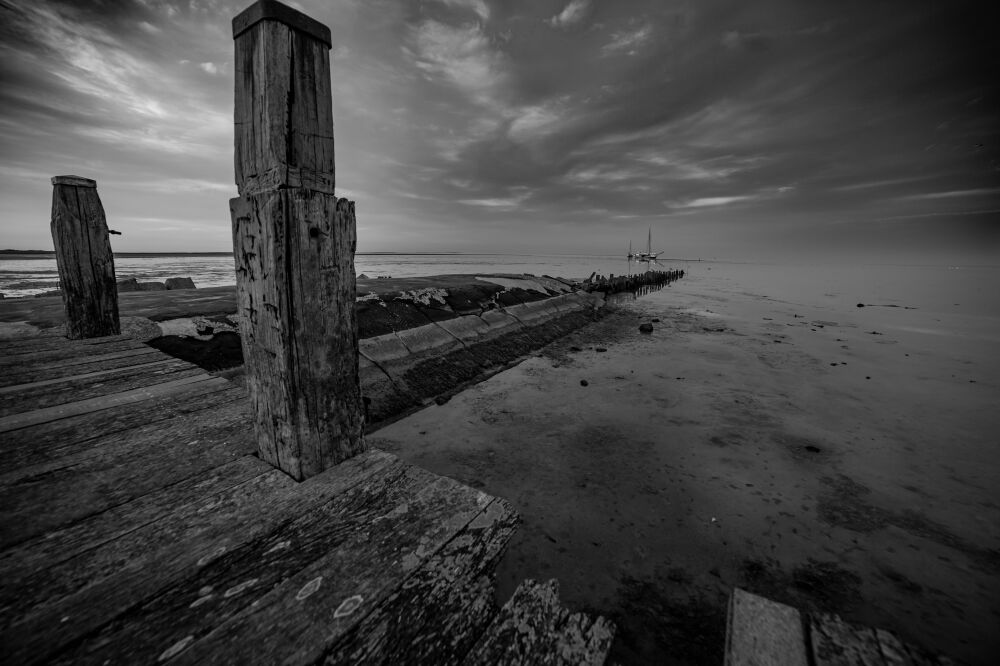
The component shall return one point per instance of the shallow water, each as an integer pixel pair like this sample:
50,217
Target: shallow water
26,276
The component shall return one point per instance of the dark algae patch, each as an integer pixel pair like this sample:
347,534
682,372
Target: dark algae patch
844,505
655,627
812,586
220,352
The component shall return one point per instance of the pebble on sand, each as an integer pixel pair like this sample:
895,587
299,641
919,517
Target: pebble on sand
645,328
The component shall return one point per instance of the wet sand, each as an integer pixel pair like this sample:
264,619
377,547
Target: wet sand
830,457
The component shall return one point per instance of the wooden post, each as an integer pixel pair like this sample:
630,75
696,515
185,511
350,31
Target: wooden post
83,256
294,246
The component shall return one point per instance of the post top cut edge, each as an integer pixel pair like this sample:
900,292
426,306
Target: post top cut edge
76,181
272,10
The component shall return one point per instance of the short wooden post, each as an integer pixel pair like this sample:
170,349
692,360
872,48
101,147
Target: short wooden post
83,256
294,246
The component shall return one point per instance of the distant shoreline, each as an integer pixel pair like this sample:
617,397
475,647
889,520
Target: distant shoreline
51,253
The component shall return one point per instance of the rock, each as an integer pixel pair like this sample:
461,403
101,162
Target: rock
600,349
645,328
575,349
584,382
441,399
128,284
861,305
180,283
655,321
363,277
131,284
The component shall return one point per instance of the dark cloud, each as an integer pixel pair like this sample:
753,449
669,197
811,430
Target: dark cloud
567,125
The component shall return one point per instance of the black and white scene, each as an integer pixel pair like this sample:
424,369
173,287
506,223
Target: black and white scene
499,332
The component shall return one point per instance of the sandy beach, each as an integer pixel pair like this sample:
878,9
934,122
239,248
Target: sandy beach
825,455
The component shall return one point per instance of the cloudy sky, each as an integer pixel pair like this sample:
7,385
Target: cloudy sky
735,128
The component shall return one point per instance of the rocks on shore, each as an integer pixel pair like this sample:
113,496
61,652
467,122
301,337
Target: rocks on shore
180,283
132,284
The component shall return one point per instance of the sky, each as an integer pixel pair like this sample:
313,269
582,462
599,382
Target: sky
772,129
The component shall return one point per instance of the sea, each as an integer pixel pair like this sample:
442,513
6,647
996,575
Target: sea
27,275
937,288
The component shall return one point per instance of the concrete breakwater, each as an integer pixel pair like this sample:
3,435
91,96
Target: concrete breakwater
421,339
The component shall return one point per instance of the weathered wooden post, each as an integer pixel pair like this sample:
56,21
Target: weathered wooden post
83,256
294,245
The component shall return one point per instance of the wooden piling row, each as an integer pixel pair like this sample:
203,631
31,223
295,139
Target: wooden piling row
640,282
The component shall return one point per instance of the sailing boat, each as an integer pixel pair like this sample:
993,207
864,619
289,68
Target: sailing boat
648,256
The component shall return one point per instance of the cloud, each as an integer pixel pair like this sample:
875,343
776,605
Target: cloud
952,194
209,67
533,122
497,203
628,41
477,6
571,14
716,201
461,55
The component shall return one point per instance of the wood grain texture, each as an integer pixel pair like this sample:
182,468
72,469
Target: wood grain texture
45,497
836,643
213,592
47,550
305,614
83,256
33,398
69,349
294,253
169,387
33,382
283,110
50,441
533,628
78,366
762,632
441,610
80,595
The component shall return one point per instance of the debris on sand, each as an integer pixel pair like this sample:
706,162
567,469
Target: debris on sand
645,328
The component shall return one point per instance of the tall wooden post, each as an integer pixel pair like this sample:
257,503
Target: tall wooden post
294,245
83,256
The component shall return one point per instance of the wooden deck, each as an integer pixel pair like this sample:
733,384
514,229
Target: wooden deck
138,526
762,632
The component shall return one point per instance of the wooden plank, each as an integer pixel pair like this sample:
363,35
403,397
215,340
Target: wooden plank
91,357
41,443
37,384
896,653
124,398
89,591
84,258
71,390
70,367
74,349
442,609
41,498
45,551
836,643
533,628
43,336
761,631
309,610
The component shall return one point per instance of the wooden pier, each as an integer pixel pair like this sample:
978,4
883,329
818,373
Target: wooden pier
761,632
139,526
